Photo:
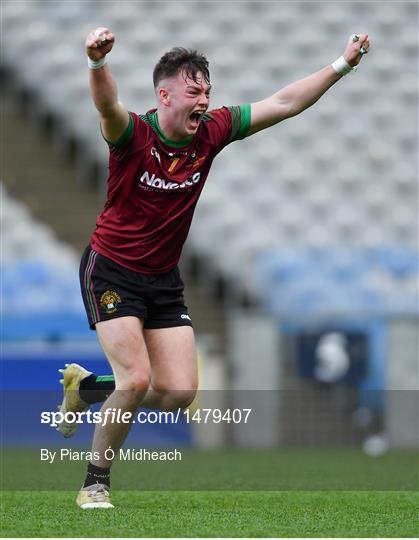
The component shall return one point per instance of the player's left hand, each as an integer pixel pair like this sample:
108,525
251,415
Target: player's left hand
357,46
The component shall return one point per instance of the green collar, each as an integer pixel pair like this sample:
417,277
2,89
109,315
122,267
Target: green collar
162,136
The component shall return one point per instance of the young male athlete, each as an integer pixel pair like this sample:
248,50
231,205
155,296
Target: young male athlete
131,287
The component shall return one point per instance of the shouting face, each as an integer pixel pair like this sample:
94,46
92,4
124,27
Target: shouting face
183,101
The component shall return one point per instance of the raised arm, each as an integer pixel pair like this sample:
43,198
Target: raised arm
114,117
298,96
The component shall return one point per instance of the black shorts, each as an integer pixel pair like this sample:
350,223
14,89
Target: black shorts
109,291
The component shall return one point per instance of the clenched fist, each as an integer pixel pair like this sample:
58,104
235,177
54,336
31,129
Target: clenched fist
357,46
99,43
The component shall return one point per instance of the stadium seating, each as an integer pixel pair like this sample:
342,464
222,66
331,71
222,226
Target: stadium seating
39,286
378,281
339,178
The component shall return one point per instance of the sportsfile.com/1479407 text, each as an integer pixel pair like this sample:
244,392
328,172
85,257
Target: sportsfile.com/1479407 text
112,415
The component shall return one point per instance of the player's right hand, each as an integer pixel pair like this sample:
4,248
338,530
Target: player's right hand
99,43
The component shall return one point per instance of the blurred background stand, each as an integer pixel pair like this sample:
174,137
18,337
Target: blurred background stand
302,262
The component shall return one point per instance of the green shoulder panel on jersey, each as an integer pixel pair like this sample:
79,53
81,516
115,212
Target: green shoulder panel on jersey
240,121
126,135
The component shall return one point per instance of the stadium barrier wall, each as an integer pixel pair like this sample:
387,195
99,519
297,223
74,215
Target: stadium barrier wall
377,395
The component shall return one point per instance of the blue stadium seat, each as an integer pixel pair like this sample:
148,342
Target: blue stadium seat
398,261
336,281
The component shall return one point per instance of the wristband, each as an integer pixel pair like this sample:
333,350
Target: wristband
342,67
96,64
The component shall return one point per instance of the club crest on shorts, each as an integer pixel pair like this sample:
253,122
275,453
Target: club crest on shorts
109,301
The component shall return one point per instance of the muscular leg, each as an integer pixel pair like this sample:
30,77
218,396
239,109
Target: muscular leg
174,378
173,362
123,343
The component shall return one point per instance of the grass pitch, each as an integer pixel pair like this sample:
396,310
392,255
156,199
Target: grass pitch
214,514
283,493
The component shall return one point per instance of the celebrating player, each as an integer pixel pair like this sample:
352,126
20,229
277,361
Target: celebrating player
131,287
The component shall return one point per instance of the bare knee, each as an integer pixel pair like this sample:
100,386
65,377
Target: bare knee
131,390
133,380
125,348
184,398
176,399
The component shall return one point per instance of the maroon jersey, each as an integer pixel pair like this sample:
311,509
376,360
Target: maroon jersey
154,185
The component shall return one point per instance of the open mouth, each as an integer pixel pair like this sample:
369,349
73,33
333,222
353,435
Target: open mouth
196,117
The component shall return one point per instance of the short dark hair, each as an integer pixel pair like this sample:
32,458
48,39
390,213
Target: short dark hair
178,59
